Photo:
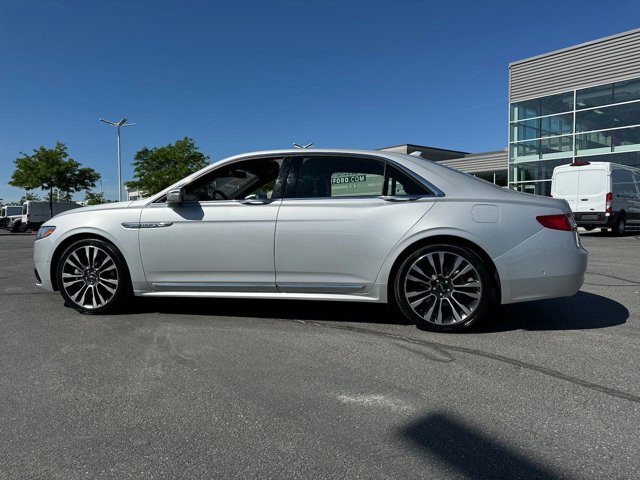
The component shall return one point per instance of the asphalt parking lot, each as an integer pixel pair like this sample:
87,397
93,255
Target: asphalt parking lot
257,389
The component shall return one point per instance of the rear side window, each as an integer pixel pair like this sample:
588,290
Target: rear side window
322,177
329,177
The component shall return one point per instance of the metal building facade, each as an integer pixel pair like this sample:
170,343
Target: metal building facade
582,101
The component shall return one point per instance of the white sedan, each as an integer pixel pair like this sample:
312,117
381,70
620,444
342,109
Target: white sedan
340,225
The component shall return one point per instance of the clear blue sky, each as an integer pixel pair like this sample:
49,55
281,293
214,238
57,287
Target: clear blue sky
241,75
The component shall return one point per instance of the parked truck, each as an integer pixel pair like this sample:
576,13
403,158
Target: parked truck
8,211
35,214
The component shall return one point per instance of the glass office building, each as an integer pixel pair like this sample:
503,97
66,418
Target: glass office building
600,123
580,103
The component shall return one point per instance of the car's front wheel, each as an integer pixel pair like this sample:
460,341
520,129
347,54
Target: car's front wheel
92,277
444,288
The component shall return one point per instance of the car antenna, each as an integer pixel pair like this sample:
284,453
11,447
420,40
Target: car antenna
308,145
417,153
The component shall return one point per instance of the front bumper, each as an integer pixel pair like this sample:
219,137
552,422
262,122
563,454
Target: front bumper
42,250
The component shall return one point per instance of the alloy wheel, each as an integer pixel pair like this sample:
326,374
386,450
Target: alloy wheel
90,276
443,288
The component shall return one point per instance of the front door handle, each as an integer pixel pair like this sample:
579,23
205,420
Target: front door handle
255,201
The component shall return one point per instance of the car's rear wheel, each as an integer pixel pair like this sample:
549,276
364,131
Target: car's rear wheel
92,277
444,288
620,226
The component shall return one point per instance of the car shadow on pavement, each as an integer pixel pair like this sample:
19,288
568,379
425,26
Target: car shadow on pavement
463,450
277,309
583,311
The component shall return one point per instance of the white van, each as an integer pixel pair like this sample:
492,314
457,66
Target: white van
601,195
35,214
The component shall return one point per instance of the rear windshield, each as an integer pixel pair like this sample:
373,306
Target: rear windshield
592,182
566,183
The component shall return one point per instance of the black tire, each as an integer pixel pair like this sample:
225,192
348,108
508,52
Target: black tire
428,292
93,278
620,227
15,228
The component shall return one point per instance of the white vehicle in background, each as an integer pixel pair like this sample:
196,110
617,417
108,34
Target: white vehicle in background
9,211
35,214
601,195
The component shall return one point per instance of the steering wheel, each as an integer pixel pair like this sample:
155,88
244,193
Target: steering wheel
219,193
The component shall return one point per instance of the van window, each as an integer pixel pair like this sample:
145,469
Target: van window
566,183
623,182
592,182
24,209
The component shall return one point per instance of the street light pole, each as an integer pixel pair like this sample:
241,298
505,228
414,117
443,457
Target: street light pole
121,123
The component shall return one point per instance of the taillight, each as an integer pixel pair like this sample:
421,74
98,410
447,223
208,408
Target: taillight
608,200
555,222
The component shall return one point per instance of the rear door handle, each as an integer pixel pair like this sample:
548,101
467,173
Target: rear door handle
584,199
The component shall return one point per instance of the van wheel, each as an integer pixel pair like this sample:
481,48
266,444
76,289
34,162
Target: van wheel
620,226
444,288
93,277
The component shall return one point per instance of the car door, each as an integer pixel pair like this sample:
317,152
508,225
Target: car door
340,218
221,237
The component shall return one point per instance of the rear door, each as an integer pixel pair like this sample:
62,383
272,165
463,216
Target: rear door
340,218
565,185
593,186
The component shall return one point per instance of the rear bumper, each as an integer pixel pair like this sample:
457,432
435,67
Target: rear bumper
595,219
549,264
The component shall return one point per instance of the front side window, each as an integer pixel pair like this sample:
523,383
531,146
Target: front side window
332,177
237,181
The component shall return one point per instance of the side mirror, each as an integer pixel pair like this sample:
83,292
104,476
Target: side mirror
175,197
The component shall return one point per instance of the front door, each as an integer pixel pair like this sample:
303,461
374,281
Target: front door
221,237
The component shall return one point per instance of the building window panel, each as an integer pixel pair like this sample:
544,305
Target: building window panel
596,119
626,139
594,96
593,142
556,104
525,150
538,170
626,115
626,91
539,107
556,125
555,147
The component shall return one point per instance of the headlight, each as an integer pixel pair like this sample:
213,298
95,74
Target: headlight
44,232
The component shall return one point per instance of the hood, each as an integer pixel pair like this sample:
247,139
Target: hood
95,208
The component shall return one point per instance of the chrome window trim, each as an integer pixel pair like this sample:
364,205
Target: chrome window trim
309,153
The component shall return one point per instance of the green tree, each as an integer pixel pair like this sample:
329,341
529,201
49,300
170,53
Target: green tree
94,198
50,168
157,168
